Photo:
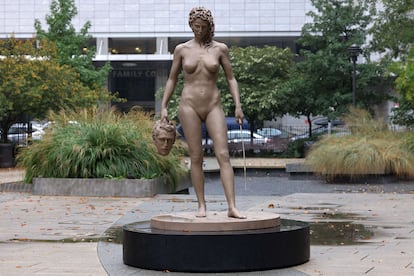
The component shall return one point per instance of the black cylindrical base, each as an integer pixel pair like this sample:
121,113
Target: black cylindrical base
227,251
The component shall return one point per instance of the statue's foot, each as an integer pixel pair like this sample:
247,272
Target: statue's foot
201,212
234,213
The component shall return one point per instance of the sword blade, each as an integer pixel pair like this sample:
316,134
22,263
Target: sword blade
244,158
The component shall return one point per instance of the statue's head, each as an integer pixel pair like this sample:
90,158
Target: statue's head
205,15
163,134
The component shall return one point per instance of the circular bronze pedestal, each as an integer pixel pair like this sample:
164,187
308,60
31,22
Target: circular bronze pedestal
214,221
216,251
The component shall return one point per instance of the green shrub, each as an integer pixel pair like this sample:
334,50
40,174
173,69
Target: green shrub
300,147
99,143
371,149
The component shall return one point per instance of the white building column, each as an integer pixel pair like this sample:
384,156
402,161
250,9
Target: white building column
101,46
162,46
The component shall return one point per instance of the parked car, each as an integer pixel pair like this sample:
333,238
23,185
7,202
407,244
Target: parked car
315,131
269,132
337,131
238,136
324,122
18,133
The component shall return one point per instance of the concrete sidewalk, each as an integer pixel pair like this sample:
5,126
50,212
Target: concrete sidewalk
352,233
49,235
59,235
8,175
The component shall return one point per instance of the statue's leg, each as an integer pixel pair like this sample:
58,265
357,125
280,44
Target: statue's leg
197,178
217,129
191,124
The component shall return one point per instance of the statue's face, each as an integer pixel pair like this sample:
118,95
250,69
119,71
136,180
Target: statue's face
200,28
164,142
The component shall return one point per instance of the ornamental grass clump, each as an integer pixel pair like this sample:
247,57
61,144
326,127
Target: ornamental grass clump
100,143
371,149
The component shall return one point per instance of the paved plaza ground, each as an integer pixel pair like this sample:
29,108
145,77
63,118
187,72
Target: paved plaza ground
360,228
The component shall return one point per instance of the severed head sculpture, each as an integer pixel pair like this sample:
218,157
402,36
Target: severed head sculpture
163,134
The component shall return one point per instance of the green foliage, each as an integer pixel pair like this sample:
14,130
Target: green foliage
259,72
32,82
371,149
299,148
405,80
72,47
322,82
403,115
393,28
98,143
393,34
337,21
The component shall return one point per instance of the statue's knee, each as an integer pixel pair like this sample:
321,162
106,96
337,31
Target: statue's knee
197,160
222,156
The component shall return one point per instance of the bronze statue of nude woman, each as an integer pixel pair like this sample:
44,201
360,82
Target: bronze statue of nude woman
200,59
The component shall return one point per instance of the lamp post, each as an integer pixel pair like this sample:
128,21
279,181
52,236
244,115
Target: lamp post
354,51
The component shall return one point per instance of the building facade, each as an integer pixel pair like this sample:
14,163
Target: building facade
138,37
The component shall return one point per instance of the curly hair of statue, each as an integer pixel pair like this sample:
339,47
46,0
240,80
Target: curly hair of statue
205,15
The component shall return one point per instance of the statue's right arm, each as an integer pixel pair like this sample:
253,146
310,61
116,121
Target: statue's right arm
172,81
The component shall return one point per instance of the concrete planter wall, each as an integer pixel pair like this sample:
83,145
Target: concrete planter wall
107,187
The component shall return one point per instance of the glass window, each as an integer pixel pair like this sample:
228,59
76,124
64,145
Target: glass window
132,45
258,41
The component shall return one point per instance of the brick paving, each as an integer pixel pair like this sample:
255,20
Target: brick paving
57,235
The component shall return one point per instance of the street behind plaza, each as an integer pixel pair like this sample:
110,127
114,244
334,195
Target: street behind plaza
265,182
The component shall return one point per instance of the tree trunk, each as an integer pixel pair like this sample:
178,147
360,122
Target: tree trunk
310,125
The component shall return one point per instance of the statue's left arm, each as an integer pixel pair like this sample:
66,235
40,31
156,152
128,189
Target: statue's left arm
232,82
